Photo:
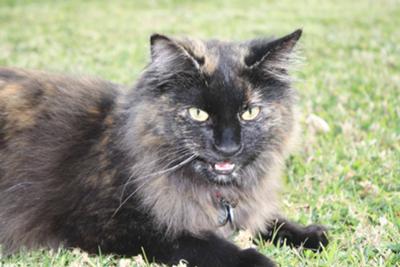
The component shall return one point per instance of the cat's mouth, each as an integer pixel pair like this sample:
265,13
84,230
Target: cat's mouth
224,167
218,171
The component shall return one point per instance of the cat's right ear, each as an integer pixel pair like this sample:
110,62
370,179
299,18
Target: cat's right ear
166,51
273,56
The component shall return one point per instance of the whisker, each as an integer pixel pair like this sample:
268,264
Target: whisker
154,174
168,169
167,155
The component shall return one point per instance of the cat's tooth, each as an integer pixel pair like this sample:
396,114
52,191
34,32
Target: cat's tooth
224,166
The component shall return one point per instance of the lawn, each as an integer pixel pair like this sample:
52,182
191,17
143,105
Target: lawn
347,178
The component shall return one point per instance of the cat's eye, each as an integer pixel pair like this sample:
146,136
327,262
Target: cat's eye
198,114
250,113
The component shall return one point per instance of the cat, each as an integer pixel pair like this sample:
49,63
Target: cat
172,167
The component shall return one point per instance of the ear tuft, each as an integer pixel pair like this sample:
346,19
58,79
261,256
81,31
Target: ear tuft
174,51
158,37
295,36
267,50
274,57
160,44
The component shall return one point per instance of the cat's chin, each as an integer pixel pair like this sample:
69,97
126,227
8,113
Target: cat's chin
212,173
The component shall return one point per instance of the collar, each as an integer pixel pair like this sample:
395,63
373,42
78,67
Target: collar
226,209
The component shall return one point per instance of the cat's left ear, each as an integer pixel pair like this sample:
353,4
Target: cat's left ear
272,54
166,51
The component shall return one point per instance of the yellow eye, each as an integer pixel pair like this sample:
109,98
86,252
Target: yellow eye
250,113
198,114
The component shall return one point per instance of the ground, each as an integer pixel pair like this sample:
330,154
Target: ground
347,178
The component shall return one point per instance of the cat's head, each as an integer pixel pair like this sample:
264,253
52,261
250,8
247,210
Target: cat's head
224,108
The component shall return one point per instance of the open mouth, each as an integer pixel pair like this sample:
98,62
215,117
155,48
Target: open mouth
223,167
224,171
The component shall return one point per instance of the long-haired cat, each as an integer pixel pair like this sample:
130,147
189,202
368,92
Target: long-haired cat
172,166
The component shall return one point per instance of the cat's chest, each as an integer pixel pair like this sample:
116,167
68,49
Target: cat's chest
227,212
198,209
235,211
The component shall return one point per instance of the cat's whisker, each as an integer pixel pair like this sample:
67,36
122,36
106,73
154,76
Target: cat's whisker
177,166
169,169
166,154
143,168
18,186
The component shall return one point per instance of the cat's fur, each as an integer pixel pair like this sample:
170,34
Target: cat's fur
88,163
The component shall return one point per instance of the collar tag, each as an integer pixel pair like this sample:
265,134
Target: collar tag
227,213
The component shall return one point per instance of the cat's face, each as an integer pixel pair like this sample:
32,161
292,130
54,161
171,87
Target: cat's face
229,104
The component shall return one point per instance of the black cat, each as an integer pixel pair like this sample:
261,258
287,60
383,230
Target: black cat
172,166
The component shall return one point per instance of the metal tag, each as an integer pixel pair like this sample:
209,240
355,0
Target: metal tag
227,213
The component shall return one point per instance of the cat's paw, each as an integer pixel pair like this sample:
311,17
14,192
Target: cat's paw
252,258
315,237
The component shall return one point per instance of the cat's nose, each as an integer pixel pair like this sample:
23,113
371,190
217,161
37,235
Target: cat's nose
227,142
228,149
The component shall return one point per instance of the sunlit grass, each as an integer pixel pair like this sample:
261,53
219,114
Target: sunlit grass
347,178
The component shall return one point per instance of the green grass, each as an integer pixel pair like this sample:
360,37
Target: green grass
347,179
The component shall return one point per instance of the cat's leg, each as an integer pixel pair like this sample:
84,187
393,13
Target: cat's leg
210,251
313,236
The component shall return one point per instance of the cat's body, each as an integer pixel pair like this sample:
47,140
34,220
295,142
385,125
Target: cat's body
85,163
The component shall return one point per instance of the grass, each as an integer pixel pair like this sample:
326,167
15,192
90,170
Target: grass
347,178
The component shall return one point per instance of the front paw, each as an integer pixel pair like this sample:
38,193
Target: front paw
315,237
252,258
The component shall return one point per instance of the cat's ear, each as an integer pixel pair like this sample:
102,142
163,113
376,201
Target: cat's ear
166,51
272,55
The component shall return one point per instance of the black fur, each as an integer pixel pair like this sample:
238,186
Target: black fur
312,237
83,164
